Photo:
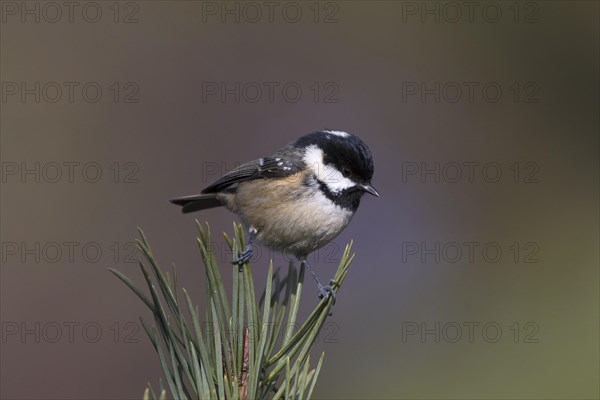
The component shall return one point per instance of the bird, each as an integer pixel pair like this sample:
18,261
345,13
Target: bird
298,199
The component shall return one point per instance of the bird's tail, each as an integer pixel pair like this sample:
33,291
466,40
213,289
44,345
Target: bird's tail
197,202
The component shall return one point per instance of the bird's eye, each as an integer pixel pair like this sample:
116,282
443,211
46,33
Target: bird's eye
346,172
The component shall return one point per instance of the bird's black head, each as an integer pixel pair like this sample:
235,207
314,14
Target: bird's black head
342,163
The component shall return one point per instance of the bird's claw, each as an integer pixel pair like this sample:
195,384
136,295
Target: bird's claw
326,291
244,257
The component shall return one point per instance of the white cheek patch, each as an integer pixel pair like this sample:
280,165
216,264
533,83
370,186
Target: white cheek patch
338,133
327,174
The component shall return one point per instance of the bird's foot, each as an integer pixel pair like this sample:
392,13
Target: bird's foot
244,257
326,291
247,254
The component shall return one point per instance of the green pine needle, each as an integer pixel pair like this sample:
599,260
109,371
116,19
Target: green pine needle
239,355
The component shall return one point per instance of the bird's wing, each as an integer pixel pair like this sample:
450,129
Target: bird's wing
267,167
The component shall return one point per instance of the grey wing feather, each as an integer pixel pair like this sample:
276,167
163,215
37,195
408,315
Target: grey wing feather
267,167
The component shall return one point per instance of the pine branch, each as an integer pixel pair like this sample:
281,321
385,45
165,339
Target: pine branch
239,355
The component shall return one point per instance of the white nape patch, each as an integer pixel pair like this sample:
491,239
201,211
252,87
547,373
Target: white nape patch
327,174
338,133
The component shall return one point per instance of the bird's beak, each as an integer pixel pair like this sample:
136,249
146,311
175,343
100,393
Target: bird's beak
370,189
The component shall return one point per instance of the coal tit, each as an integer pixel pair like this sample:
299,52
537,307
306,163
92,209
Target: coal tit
298,199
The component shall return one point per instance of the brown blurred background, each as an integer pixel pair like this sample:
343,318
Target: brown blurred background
476,273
